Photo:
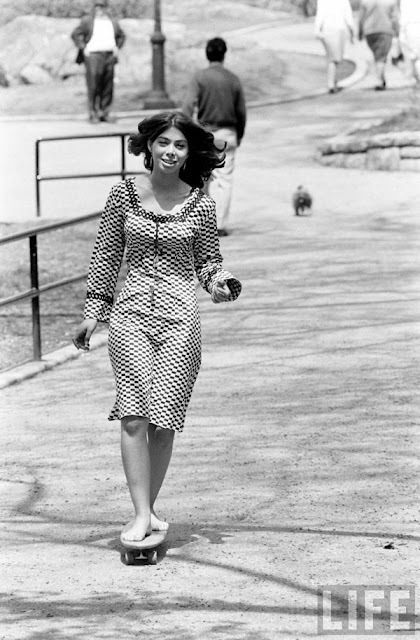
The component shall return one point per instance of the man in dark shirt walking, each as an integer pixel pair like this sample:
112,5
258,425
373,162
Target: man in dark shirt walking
217,95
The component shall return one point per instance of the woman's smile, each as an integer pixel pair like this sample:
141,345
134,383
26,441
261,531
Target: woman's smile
169,161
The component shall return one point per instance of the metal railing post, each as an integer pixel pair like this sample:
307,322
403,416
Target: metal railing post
123,156
37,182
36,321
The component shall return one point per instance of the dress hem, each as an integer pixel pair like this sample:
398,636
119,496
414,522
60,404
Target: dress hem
111,418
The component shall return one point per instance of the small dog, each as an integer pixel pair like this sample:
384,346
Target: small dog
302,200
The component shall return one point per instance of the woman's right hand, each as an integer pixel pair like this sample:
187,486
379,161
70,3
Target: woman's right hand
83,332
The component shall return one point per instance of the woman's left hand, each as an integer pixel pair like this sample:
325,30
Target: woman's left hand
220,292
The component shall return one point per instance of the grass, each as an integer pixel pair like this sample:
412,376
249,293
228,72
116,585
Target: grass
406,120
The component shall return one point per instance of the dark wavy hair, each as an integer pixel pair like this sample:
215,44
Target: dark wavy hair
203,154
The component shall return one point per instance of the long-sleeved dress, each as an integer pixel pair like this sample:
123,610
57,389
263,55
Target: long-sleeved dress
154,325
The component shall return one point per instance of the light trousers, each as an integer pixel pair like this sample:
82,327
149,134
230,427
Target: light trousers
219,186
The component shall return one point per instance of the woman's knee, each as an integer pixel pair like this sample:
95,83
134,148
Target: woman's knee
134,425
163,437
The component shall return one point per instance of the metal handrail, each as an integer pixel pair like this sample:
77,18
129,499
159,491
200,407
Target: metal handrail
36,289
51,226
32,234
39,178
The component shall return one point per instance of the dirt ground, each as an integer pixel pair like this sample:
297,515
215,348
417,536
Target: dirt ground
299,463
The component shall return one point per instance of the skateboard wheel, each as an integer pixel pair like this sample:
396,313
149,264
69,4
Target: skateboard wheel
152,557
128,557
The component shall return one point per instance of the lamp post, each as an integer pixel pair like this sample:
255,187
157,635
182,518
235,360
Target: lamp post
158,98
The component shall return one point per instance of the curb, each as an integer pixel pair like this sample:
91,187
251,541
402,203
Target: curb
49,361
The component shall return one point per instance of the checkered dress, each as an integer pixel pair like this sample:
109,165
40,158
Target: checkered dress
154,325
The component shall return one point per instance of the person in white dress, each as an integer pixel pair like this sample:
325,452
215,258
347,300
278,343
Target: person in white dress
334,25
410,33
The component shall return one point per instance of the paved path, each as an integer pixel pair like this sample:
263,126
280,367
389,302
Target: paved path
301,430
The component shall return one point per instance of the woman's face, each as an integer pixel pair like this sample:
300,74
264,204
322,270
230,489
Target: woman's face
169,151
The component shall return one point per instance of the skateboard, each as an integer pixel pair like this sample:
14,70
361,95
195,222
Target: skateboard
144,549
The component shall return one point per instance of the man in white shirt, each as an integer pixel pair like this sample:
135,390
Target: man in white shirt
98,38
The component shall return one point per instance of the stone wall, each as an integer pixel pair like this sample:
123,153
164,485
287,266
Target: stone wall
393,151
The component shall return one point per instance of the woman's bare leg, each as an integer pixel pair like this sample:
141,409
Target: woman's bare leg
136,463
380,73
332,75
160,449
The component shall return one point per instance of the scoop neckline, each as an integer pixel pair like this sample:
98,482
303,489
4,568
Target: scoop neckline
163,216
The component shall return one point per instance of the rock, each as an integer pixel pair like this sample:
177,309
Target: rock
354,160
39,41
70,70
345,160
349,144
332,160
4,81
33,74
395,139
410,152
344,144
393,151
383,159
135,57
45,43
410,164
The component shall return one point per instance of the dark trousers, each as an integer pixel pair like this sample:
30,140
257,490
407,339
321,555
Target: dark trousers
100,81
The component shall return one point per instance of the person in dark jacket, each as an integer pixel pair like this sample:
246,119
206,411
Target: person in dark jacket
217,95
98,38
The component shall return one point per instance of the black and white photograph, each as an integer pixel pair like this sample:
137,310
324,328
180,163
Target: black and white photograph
209,318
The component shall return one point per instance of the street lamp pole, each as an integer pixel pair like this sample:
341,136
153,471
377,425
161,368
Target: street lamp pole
157,97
